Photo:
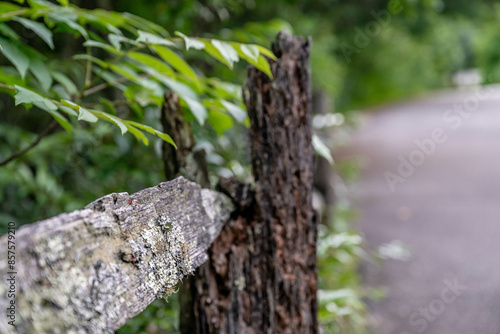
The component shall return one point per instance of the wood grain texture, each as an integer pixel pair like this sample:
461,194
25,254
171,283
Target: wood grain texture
261,276
90,270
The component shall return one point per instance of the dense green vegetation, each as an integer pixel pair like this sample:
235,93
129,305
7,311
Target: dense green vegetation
83,76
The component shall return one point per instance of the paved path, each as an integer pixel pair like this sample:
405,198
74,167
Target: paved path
447,211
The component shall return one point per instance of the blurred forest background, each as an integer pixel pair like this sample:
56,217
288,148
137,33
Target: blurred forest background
365,52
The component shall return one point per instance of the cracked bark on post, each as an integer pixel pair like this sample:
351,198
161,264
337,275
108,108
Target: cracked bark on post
261,274
184,161
91,270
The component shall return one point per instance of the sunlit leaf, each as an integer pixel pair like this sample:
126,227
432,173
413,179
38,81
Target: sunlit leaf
191,42
100,45
266,52
263,65
86,115
177,62
110,118
251,51
239,114
321,149
226,51
149,129
147,38
137,134
152,62
219,121
197,109
6,8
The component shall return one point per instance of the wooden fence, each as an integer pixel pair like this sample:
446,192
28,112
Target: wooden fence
91,270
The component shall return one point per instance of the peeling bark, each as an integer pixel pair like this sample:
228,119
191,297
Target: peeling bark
261,274
91,270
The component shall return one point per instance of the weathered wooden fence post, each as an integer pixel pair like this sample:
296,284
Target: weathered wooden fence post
91,270
261,274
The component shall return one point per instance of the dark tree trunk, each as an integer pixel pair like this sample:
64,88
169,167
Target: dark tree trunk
182,161
261,274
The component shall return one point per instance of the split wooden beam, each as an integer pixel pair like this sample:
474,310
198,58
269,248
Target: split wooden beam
91,270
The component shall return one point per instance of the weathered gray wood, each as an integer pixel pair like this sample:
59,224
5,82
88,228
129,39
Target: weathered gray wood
90,270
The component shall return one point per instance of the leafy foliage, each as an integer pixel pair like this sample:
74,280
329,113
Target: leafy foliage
122,51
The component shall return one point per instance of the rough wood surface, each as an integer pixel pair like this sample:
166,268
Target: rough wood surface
183,161
90,270
261,274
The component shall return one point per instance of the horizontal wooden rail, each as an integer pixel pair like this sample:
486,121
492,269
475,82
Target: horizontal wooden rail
91,270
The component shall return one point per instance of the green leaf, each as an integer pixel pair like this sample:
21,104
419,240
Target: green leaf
152,62
108,105
65,82
191,42
264,66
41,72
321,149
226,51
250,50
149,129
125,71
11,79
86,115
6,8
135,20
8,32
137,134
219,121
110,118
111,78
37,4
142,95
24,96
239,114
197,109
117,39
93,59
147,38
177,62
104,46
38,28
178,87
266,52
13,53
68,110
61,120
65,3
68,18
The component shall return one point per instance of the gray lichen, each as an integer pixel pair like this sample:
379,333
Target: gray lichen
172,261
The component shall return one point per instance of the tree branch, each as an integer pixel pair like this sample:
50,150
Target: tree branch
45,132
